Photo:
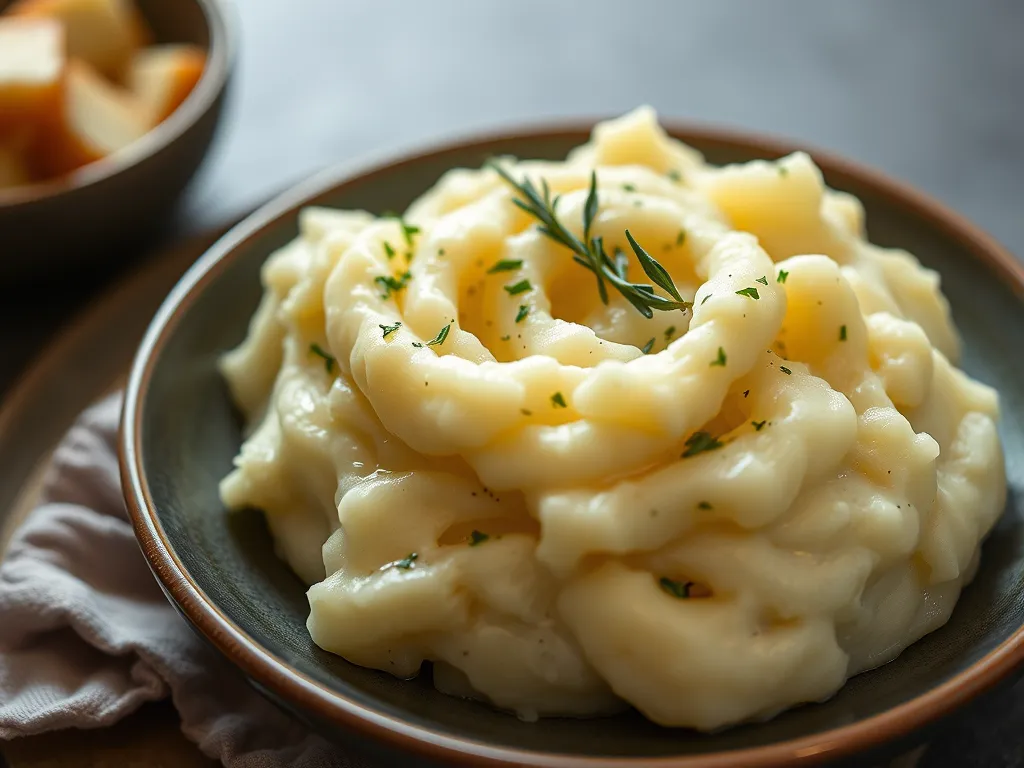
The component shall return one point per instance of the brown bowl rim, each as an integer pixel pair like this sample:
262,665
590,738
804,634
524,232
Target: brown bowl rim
220,54
333,707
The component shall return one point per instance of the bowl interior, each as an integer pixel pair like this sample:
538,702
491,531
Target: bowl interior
181,22
190,432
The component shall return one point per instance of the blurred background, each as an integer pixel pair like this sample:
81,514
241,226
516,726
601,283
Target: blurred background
930,91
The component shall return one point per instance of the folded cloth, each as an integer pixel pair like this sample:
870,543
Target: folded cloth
86,635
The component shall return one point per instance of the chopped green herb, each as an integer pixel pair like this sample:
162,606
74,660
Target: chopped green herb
524,310
557,400
505,265
720,360
679,589
681,237
699,442
407,562
392,284
842,333
525,412
477,538
763,280
506,337
670,332
441,336
389,251
675,175
316,349
751,292
704,300
783,170
440,251
783,274
389,329
629,188
408,230
521,287
417,344
758,425
704,505
785,370
646,348
746,392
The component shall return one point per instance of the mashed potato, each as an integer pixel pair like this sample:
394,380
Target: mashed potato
710,514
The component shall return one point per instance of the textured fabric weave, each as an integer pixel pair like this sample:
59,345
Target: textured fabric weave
86,635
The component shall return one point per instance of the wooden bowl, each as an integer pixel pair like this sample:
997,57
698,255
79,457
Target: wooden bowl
95,215
180,433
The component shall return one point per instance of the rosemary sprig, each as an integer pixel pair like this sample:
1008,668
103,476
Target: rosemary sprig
590,253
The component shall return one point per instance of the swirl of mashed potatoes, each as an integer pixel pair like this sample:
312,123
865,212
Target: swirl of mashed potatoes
710,515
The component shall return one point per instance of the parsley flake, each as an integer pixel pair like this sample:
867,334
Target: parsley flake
506,337
842,333
557,400
329,361
751,292
408,231
785,370
704,300
783,171
646,348
521,287
441,336
476,538
720,360
783,274
699,442
670,332
524,310
704,505
389,329
675,175
505,265
678,589
629,188
758,425
440,251
681,237
391,284
762,280
407,562
389,250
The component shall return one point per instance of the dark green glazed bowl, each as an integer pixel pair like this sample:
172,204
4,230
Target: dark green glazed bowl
180,433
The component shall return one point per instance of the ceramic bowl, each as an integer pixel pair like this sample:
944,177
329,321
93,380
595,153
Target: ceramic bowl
180,433
95,215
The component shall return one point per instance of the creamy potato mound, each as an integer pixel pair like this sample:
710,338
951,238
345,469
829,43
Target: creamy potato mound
710,514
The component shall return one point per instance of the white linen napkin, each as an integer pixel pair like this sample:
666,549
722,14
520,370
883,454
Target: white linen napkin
86,635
